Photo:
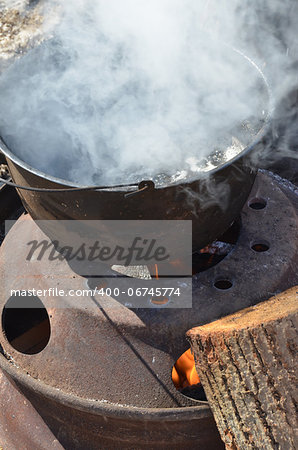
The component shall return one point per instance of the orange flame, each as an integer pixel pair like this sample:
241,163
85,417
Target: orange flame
184,371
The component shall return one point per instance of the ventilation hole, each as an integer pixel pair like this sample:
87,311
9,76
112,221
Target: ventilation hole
186,379
223,284
159,301
257,204
261,247
26,324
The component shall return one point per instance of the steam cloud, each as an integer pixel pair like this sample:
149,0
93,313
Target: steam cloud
135,89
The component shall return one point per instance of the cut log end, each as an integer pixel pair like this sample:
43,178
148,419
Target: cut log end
272,310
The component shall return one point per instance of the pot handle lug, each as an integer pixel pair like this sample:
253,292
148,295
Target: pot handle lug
145,185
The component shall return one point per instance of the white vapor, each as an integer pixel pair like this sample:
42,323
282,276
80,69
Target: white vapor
135,89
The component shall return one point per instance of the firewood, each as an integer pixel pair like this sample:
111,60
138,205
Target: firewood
248,367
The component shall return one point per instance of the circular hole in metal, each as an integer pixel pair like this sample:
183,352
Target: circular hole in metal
223,284
26,324
260,247
159,301
186,379
258,204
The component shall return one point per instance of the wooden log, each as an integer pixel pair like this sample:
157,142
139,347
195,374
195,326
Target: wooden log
247,363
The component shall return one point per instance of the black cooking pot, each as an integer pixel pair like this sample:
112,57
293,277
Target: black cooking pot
210,216
212,201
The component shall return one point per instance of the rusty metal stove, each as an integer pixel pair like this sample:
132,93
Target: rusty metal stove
104,378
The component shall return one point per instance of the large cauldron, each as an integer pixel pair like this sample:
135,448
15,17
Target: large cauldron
212,202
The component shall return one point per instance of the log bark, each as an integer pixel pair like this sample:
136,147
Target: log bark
247,364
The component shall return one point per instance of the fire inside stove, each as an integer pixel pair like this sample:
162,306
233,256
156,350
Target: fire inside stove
185,377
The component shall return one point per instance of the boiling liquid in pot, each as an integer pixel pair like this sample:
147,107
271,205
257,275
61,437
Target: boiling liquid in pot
67,119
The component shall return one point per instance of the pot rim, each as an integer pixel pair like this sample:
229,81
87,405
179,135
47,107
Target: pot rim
98,407
203,175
